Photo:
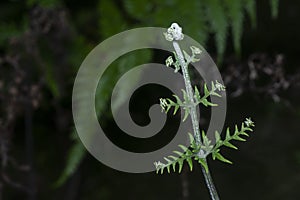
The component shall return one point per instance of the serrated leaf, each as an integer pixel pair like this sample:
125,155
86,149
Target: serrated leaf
221,158
168,161
244,133
161,170
183,147
168,108
236,130
213,87
179,102
191,137
228,137
236,137
170,101
190,162
192,141
204,138
174,166
197,94
180,162
228,144
211,104
206,142
217,136
188,153
168,168
185,97
178,153
176,109
173,157
203,163
215,94
206,91
196,150
248,129
186,113
204,102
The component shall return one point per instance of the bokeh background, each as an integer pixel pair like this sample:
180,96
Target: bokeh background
42,44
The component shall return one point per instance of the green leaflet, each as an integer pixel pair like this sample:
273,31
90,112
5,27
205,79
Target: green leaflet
195,151
178,158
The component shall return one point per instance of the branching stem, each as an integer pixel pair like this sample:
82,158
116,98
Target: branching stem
195,122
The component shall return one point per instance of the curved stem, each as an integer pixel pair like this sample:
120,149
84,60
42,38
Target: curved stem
195,122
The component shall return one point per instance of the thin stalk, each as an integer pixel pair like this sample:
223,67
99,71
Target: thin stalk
195,122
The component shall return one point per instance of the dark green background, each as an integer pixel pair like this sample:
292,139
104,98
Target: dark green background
44,42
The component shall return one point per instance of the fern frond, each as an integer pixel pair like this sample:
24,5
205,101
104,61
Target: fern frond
74,157
217,18
236,17
250,7
274,8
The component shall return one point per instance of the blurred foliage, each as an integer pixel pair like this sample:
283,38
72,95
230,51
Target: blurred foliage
200,18
52,37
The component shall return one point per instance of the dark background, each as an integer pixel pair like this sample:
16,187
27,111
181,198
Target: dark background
42,44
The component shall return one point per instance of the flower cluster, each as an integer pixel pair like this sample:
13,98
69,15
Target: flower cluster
174,33
249,122
219,86
195,50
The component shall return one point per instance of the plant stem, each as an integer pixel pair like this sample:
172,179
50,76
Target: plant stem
189,92
209,183
195,122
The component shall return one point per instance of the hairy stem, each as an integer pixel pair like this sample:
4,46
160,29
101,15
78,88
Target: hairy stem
210,184
195,122
189,92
